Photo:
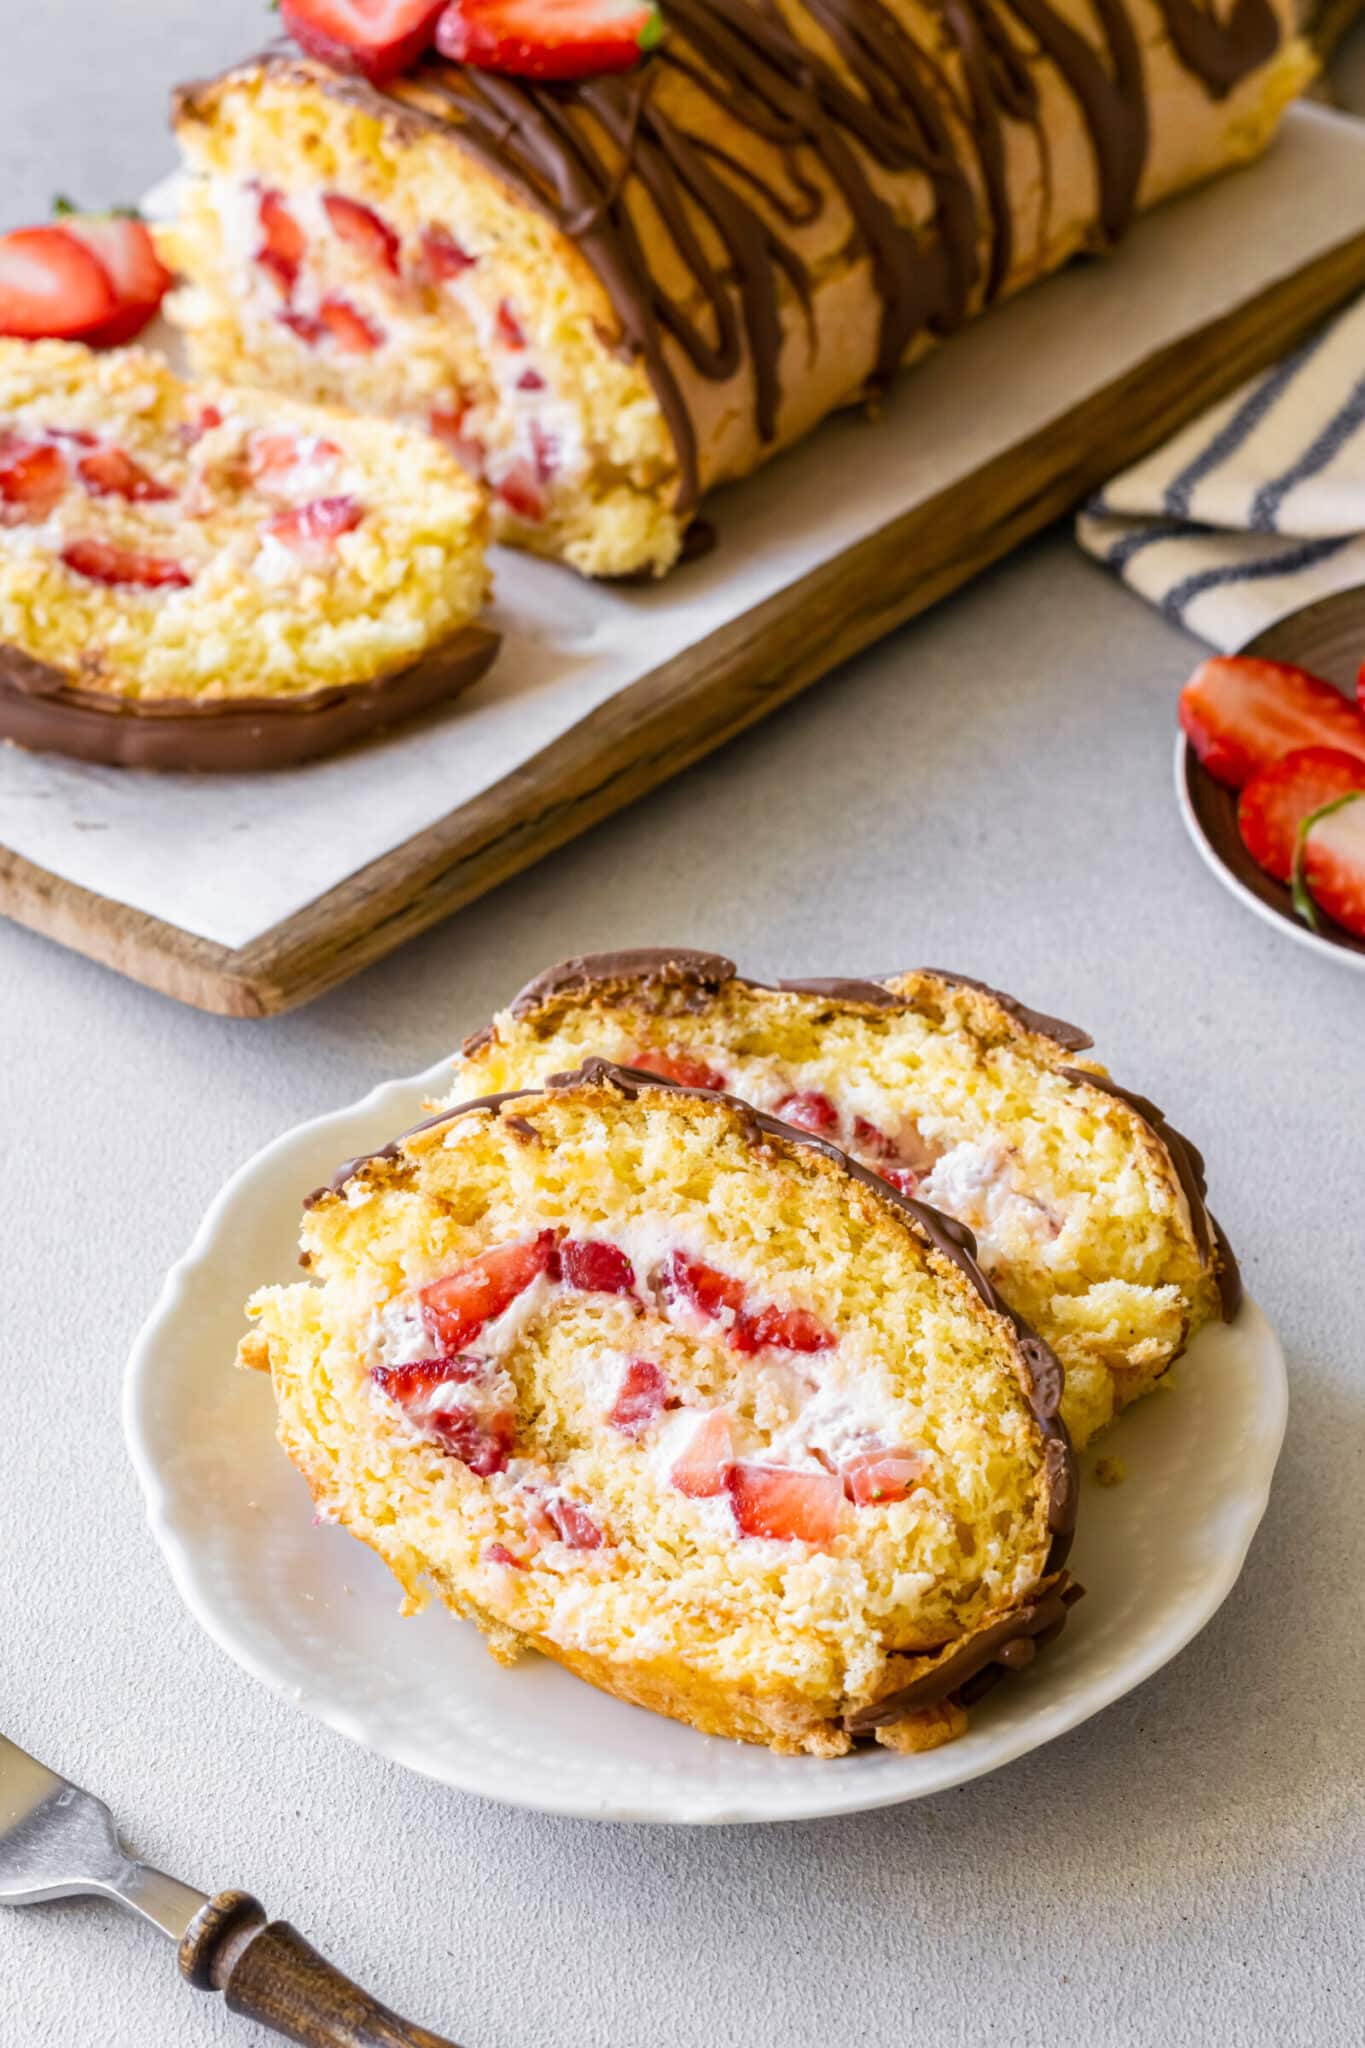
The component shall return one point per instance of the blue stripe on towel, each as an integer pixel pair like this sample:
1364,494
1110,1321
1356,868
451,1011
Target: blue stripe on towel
1308,552
1123,551
1239,428
1322,450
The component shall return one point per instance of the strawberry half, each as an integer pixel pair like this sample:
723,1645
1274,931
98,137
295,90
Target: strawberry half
1330,870
1241,715
548,38
1276,802
122,245
52,286
378,38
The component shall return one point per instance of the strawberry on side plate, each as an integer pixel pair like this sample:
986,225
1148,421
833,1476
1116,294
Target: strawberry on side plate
1277,801
1241,714
378,38
1329,872
122,244
548,38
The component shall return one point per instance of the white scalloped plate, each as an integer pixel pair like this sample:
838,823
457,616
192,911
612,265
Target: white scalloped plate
315,1616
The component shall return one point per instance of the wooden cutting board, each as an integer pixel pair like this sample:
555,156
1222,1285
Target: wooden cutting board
677,713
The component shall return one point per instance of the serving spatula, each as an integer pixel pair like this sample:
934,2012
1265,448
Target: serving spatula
58,1842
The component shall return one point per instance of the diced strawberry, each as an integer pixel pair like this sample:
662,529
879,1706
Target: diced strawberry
679,1067
548,38
574,1524
530,380
701,1471
311,530
110,473
283,242
205,420
349,329
103,563
306,327
442,256
1241,715
810,1111
1278,799
498,1553
520,491
507,327
364,230
123,245
544,452
420,1377
598,1268
33,479
378,38
784,1329
457,1307
448,426
901,1179
1332,865
875,1478
785,1505
874,1143
642,1398
270,455
483,1443
709,1291
50,284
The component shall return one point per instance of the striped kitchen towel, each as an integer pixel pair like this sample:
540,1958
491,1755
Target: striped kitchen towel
1255,508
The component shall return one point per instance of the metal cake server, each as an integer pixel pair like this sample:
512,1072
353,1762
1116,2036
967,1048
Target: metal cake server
58,1842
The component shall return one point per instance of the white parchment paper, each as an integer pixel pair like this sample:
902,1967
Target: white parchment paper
228,857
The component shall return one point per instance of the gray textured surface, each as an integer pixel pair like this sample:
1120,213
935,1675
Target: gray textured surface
991,790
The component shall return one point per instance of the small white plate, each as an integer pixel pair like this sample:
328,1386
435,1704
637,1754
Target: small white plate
314,1615
1328,637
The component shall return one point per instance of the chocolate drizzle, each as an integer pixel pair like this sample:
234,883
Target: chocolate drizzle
839,104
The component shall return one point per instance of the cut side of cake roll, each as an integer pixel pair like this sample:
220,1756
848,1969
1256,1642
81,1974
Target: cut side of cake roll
676,1394
610,294
1087,1208
209,578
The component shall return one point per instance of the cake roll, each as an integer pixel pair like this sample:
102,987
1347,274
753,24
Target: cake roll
211,578
611,294
1087,1209
678,1395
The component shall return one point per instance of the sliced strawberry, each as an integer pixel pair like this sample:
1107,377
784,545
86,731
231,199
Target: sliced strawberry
901,1178
442,257
520,491
1241,715
875,1478
482,1442
448,426
103,563
364,229
420,1377
574,1524
548,38
457,1307
785,1505
51,285
680,1067
1277,800
810,1111
710,1292
110,473
598,1268
642,1398
310,530
33,479
1332,863
283,242
378,38
784,1329
498,1553
702,1469
123,245
349,329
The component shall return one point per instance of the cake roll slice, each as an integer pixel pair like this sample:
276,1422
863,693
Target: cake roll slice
210,578
1087,1209
611,294
678,1395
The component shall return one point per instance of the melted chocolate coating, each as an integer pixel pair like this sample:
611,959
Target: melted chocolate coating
593,153
1007,1645
1070,1037
40,710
